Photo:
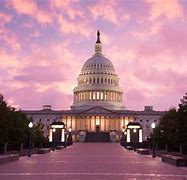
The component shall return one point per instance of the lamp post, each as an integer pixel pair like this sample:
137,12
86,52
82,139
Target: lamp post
69,139
134,131
123,137
153,127
30,139
54,130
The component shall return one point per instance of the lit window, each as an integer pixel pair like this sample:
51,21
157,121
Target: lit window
97,95
101,95
94,95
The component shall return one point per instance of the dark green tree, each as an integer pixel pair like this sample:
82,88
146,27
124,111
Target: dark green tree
182,121
172,129
14,128
38,134
166,130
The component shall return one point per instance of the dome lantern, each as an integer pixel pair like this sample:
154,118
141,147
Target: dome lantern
98,47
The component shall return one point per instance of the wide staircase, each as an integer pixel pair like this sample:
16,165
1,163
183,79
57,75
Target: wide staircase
97,137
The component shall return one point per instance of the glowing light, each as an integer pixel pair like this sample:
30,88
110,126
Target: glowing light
153,125
134,130
128,135
63,136
30,125
140,135
133,127
50,135
54,130
57,126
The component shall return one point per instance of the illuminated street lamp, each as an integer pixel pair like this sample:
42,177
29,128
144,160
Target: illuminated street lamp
153,127
30,143
54,130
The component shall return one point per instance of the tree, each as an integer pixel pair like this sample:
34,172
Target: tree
182,121
165,131
14,128
172,128
38,134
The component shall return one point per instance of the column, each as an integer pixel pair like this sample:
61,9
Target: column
92,95
86,95
79,96
104,123
108,95
90,123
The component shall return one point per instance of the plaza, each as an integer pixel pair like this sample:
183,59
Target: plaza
91,161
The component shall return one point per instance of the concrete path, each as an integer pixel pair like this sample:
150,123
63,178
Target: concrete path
91,161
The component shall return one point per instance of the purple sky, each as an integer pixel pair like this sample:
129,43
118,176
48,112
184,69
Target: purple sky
43,45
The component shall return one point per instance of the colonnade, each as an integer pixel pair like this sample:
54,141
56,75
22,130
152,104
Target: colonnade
98,95
98,80
106,123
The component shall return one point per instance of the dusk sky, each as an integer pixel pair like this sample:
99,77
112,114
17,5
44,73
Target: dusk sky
43,45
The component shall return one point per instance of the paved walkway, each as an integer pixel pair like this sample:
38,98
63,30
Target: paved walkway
91,161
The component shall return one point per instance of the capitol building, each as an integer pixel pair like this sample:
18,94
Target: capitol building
97,103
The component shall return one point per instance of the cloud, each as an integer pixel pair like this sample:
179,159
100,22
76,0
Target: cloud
74,27
171,9
109,11
4,18
30,8
43,46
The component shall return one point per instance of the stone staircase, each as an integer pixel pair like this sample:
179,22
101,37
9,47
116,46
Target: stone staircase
97,137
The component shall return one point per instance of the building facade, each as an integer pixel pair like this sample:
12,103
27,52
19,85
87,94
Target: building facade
97,103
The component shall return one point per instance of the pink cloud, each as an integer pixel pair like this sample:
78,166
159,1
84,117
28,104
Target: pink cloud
30,8
147,46
172,9
109,11
74,27
4,18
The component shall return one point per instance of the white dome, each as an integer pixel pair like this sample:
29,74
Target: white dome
98,64
98,84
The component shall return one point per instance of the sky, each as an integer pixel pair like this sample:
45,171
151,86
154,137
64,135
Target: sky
44,44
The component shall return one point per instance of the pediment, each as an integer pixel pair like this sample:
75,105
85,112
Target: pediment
98,110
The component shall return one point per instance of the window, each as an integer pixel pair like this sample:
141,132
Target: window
97,95
101,95
94,95
140,120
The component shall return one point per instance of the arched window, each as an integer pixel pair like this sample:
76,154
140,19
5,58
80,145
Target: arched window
101,80
97,80
93,80
108,81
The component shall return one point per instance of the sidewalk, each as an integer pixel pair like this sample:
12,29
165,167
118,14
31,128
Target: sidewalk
91,161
